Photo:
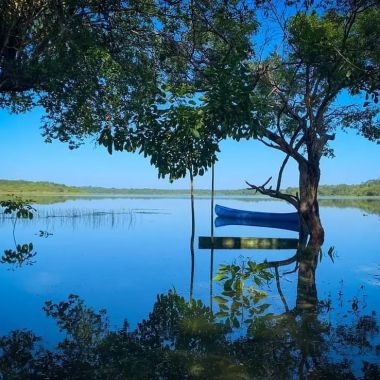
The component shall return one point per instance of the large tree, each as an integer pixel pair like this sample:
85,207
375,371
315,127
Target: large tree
315,84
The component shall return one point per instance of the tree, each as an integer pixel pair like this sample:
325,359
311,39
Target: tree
88,63
306,92
136,75
172,131
129,73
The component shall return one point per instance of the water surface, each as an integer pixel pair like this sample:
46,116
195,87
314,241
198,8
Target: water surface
132,257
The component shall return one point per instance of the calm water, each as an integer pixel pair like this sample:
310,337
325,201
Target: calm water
132,258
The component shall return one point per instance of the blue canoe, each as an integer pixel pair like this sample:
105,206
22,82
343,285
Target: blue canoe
230,216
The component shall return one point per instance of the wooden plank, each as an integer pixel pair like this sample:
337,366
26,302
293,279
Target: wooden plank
246,243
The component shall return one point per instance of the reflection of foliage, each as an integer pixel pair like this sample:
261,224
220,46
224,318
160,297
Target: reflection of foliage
182,339
23,254
360,332
241,298
181,324
18,355
81,323
370,206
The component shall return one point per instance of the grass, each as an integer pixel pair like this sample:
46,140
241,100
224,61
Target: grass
51,217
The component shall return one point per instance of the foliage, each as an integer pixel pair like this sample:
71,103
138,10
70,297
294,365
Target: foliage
239,303
179,142
18,207
129,73
306,89
366,189
83,61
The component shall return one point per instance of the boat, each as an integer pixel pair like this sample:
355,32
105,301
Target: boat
282,225
231,216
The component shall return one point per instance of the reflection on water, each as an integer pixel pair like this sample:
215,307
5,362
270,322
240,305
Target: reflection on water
367,205
23,254
184,339
310,312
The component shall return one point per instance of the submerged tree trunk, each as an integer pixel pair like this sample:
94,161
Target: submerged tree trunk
308,201
307,298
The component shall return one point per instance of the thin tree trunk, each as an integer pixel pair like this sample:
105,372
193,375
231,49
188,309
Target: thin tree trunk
212,203
192,234
212,232
192,212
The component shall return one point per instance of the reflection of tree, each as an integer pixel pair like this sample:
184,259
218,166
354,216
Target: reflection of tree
306,286
181,339
300,342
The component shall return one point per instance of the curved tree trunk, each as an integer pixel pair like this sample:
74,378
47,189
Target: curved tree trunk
308,201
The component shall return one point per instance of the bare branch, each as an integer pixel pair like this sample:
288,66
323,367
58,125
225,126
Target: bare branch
292,199
280,172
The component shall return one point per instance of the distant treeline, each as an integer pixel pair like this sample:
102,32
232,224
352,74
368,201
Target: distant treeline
366,189
369,188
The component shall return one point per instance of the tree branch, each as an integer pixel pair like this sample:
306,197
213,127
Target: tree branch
280,172
292,199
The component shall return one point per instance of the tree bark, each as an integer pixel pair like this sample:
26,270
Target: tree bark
308,201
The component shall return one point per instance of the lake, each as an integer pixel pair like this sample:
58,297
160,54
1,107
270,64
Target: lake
95,263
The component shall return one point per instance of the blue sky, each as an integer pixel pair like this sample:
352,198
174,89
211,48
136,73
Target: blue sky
25,155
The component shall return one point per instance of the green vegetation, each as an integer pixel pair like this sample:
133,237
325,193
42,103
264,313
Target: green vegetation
367,189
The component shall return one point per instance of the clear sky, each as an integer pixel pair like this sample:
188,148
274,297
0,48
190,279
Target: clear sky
26,156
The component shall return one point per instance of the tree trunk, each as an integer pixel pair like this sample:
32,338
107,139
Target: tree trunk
308,206
192,234
307,298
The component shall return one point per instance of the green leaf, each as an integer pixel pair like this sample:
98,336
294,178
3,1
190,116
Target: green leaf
228,285
221,314
235,322
219,277
220,300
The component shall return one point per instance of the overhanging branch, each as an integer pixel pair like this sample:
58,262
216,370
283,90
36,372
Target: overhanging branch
292,199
